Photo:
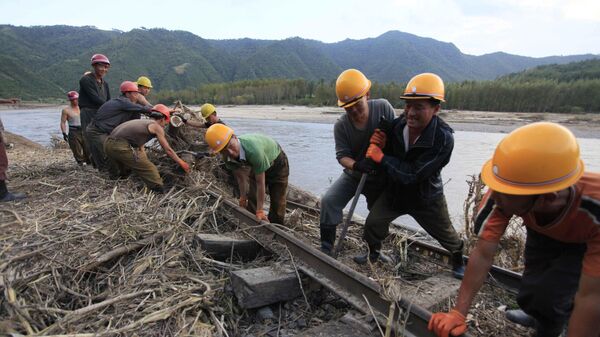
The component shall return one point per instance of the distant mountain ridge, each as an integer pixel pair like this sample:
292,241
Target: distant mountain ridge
47,61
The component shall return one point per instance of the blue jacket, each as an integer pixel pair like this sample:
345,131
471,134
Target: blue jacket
414,175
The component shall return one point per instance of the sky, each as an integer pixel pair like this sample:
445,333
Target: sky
524,27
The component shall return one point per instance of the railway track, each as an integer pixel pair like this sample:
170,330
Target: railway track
358,290
361,292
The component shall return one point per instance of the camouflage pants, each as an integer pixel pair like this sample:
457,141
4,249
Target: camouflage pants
124,158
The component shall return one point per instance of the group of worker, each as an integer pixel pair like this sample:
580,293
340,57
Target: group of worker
535,173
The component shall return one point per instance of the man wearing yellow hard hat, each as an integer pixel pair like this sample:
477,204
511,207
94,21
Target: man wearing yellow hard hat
209,113
536,173
413,154
351,134
144,85
268,168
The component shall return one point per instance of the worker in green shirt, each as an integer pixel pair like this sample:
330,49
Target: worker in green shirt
268,166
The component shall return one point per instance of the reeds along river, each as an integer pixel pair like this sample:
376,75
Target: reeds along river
310,149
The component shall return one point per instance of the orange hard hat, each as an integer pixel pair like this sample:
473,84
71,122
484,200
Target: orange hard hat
128,86
163,109
351,86
218,136
534,159
425,85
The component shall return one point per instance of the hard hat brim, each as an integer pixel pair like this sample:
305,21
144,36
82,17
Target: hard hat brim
497,184
421,97
347,105
223,144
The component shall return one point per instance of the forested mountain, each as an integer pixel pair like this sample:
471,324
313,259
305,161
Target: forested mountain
571,87
47,61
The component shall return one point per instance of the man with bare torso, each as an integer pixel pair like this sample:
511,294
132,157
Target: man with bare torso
71,114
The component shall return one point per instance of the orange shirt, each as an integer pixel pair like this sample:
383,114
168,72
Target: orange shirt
579,223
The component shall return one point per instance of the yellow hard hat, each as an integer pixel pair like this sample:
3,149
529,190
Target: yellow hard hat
425,85
350,86
145,81
534,159
207,109
217,136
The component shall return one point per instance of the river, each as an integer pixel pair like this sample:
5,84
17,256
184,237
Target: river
310,149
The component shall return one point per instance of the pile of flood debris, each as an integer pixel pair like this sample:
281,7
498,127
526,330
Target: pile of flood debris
88,256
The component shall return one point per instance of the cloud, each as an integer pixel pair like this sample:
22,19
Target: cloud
588,10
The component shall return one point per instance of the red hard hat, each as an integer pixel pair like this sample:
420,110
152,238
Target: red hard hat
163,109
72,95
128,86
99,58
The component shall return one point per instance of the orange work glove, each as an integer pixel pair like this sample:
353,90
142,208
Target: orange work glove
378,138
448,324
185,166
260,215
243,202
374,152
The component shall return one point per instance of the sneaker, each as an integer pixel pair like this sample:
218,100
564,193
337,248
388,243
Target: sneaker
520,317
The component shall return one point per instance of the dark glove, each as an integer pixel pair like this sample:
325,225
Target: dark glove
65,137
364,166
200,155
385,125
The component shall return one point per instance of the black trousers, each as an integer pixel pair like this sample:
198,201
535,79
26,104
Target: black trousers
432,215
550,281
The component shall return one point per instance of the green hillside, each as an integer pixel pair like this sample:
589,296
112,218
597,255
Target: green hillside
572,87
47,61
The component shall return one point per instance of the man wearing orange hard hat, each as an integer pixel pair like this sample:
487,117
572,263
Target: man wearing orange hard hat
124,148
351,134
536,173
110,115
412,154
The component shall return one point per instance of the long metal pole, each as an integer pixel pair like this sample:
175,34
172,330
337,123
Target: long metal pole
338,248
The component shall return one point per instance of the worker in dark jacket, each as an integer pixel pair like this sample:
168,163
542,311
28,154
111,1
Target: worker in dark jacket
93,92
110,115
125,148
413,155
268,168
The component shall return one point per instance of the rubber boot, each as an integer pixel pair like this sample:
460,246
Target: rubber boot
5,195
520,317
458,265
327,239
373,256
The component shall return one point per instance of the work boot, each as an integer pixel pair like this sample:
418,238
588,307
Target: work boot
5,195
327,239
373,257
520,317
458,265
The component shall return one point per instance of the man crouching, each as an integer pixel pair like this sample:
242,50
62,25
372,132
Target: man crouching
125,148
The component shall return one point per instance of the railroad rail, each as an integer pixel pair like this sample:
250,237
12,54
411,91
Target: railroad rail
360,291
498,276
